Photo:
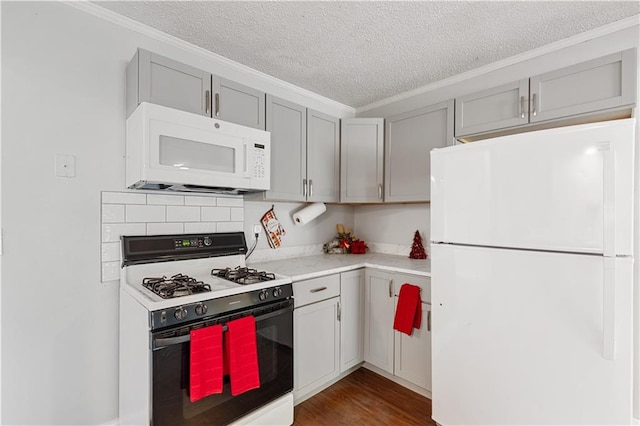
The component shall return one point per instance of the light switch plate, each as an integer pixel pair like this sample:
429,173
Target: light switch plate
65,165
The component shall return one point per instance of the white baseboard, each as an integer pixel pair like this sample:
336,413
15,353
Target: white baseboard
402,382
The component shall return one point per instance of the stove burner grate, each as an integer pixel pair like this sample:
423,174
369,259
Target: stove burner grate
176,286
243,275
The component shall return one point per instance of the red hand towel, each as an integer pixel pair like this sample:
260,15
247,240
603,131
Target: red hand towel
409,309
205,371
244,372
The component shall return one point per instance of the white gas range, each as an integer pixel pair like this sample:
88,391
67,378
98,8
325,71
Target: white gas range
173,284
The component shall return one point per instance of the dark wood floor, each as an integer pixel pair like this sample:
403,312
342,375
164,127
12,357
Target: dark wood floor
364,398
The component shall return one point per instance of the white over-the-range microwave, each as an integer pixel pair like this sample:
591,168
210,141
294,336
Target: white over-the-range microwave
168,149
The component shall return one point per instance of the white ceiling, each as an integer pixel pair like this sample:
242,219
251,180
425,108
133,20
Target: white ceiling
360,52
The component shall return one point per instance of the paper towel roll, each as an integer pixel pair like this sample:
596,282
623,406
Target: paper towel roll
307,214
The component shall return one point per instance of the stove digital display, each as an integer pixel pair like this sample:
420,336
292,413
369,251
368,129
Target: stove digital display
193,243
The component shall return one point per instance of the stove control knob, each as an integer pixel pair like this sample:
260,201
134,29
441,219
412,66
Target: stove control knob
277,292
201,309
207,241
180,314
263,295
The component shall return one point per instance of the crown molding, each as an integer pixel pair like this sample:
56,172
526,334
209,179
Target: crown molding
148,31
552,47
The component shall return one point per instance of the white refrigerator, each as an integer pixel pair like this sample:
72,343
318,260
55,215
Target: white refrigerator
532,278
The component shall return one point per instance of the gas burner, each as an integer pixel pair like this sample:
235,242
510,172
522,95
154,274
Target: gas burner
243,275
176,286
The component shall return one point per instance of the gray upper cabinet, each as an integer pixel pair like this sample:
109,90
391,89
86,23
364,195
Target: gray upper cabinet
287,123
600,84
495,108
323,158
588,87
238,104
410,137
163,81
361,160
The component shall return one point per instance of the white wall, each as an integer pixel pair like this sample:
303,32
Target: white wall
299,240
390,228
63,93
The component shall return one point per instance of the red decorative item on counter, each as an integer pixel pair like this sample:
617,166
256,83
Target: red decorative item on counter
358,247
417,249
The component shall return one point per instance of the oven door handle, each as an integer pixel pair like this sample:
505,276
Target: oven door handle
163,342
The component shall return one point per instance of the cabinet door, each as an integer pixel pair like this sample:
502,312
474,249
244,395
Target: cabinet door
323,157
495,108
410,137
413,353
378,325
361,160
351,315
602,83
316,344
166,82
238,104
287,123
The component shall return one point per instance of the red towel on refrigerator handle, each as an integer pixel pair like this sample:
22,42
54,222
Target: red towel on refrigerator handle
409,309
244,372
205,370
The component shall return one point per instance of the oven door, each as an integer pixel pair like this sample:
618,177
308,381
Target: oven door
170,371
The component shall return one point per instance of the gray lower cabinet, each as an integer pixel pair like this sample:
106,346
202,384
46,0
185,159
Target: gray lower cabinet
362,160
238,104
351,317
163,81
592,86
410,137
305,153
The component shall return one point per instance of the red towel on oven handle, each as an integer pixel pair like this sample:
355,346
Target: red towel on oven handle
244,373
205,359
409,309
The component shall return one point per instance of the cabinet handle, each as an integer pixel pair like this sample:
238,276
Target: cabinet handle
310,188
339,311
534,112
304,187
380,191
315,290
207,102
217,104
522,106
390,288
429,320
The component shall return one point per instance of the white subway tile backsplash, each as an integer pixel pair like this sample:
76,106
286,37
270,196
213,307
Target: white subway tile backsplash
165,200
145,213
123,198
194,200
197,227
183,214
112,213
231,202
110,271
111,232
216,214
165,228
237,214
110,252
230,226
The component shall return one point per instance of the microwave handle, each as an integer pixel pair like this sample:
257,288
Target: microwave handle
247,150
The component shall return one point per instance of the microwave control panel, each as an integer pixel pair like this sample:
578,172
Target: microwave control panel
258,161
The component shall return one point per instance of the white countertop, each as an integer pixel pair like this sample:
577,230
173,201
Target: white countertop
303,268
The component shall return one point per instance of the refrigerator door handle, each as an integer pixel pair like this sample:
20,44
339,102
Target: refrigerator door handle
609,310
609,199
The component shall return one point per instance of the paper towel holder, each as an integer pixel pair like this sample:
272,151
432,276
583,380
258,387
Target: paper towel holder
308,213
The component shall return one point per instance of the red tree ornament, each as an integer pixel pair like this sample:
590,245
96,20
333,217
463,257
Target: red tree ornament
417,249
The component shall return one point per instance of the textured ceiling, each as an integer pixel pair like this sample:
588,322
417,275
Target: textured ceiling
361,52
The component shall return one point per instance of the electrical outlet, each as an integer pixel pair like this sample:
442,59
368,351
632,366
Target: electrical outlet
256,228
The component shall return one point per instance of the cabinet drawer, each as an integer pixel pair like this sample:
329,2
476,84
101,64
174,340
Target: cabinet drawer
316,289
